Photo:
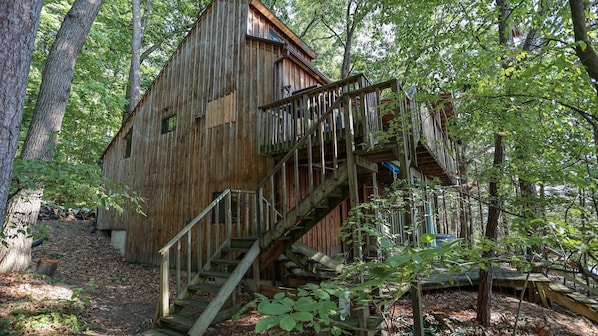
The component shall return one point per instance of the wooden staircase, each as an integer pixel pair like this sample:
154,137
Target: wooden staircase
210,297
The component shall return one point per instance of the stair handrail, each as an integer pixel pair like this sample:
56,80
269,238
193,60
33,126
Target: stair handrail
164,299
304,141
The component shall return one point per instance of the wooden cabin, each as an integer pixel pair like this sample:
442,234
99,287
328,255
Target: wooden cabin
250,158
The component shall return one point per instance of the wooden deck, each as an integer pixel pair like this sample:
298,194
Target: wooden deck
540,288
284,122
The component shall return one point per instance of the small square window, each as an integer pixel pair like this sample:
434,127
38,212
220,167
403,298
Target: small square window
128,143
272,35
169,124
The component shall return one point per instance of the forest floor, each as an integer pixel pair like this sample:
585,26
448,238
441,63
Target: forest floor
95,291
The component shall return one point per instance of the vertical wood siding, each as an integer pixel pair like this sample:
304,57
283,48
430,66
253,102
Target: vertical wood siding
179,171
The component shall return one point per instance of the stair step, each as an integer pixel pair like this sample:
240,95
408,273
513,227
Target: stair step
205,288
236,249
178,321
226,261
297,228
215,274
191,303
163,332
242,242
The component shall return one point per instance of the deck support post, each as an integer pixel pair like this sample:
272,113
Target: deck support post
362,314
405,150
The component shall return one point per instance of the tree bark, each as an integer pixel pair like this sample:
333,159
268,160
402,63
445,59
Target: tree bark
586,54
583,48
18,26
139,24
350,31
494,209
485,281
42,136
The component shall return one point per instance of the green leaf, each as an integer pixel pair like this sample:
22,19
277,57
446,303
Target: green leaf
270,308
302,316
287,323
428,238
266,323
302,292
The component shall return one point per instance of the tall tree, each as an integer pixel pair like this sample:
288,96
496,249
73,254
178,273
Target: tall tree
587,56
18,26
139,26
42,136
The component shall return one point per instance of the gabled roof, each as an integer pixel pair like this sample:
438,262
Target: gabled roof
259,6
280,25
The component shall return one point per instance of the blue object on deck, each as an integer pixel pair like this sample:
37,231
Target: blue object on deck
430,221
444,238
392,167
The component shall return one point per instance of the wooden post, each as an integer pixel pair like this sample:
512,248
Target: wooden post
405,147
164,295
363,314
416,306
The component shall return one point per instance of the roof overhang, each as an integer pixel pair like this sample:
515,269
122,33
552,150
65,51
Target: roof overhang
280,25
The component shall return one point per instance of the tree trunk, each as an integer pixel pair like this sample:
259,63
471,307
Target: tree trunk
586,54
133,89
42,137
18,26
583,48
494,210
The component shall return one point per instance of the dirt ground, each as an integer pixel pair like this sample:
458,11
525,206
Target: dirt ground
95,291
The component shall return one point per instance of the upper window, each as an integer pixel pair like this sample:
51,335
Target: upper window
272,35
169,124
128,143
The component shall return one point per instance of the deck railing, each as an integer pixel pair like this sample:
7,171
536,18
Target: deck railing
232,214
312,144
284,122
436,140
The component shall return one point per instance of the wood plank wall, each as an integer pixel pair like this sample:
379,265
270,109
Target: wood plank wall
179,171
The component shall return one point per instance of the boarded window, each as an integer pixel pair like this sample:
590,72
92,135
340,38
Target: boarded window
169,124
221,111
128,143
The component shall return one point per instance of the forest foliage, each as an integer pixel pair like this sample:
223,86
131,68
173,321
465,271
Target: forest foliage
533,91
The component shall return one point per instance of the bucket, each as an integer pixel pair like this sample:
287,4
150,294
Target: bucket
444,238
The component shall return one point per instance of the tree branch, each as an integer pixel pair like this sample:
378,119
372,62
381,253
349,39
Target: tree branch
583,45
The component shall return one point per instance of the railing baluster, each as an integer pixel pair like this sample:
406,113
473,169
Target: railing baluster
322,154
208,237
229,217
296,175
310,165
272,203
178,267
164,283
188,266
284,208
199,250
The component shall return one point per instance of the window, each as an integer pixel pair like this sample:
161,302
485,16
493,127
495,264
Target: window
273,36
169,124
128,143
